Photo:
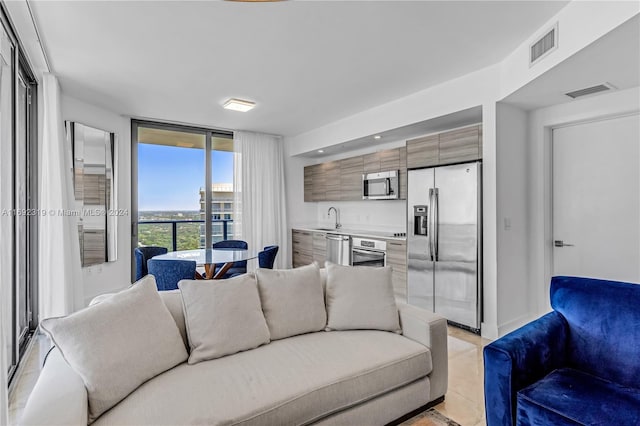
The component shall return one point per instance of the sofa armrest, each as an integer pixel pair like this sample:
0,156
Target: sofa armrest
59,397
519,359
430,330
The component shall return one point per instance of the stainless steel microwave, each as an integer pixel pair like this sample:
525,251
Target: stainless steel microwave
380,186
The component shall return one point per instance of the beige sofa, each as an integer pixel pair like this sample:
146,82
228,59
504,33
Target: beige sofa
353,377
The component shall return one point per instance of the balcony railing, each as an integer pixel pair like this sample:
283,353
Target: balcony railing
154,235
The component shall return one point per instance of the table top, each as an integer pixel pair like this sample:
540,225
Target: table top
209,256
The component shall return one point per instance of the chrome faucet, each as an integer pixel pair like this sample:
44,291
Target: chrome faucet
338,224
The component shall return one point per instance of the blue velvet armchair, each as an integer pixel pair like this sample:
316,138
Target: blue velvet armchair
142,255
169,272
579,364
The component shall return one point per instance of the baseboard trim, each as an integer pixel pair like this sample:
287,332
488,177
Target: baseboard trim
514,324
416,412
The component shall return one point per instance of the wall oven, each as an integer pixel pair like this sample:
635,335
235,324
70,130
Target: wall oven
368,252
380,186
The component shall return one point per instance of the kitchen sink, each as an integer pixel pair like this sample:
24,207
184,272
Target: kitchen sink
325,229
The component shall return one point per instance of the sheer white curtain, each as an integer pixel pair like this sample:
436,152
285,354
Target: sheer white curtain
6,248
59,269
259,190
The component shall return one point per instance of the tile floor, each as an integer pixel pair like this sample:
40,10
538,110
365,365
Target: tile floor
463,403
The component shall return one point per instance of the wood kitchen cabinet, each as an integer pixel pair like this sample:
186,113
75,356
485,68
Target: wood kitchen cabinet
318,192
459,145
351,170
308,183
397,259
423,152
319,246
456,146
371,162
302,247
342,179
331,180
403,172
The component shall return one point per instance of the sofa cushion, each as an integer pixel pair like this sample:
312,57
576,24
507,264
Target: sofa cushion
222,317
601,339
360,297
118,344
292,300
290,381
569,397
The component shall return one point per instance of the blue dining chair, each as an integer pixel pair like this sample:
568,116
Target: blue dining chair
238,267
142,255
168,272
267,257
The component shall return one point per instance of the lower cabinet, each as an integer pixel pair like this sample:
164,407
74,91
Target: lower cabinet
309,246
319,245
397,259
302,247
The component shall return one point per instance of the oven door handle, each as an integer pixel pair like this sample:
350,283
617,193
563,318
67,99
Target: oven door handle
369,252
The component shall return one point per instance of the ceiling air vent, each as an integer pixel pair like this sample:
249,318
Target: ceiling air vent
544,45
590,90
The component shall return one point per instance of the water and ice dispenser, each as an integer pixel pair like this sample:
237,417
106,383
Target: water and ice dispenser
420,220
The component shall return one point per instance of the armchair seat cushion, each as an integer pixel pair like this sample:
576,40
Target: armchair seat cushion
571,397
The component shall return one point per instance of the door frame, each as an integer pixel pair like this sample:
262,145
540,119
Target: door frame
542,122
208,134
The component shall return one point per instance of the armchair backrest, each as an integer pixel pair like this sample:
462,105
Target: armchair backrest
604,326
142,255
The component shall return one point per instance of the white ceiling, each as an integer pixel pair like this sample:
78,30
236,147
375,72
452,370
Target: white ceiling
305,64
613,59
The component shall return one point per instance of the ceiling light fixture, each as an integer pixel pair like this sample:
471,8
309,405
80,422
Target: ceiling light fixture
377,137
321,151
239,105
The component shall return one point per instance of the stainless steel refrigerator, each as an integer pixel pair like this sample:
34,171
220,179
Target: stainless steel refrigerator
444,240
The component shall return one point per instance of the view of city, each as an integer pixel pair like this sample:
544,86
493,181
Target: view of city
171,189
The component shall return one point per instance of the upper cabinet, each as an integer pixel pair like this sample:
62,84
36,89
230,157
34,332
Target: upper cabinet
341,180
423,152
351,170
456,146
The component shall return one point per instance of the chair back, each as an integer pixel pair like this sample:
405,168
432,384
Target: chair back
267,257
238,267
142,255
603,318
169,272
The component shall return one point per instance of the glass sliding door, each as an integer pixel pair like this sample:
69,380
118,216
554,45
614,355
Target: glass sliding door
18,197
173,191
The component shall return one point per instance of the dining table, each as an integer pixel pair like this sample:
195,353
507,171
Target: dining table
209,258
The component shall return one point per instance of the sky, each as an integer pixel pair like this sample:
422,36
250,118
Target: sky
170,178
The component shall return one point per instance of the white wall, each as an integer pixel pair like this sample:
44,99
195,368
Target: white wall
513,217
580,23
111,276
539,191
513,270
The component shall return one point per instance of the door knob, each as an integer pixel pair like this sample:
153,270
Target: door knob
560,243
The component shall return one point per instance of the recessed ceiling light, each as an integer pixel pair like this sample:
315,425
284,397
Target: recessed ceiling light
321,151
239,105
377,137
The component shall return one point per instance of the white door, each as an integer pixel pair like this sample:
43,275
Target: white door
596,199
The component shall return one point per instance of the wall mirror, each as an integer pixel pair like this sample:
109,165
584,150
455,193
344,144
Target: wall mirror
93,180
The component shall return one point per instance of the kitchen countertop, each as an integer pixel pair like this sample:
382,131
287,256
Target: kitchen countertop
387,235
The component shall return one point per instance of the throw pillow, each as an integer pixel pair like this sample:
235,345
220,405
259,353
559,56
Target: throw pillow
360,297
222,317
118,344
292,300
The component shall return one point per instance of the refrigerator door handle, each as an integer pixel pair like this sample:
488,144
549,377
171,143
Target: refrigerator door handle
436,222
430,224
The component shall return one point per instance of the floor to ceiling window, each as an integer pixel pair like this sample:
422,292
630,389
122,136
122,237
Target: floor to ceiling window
182,186
18,181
